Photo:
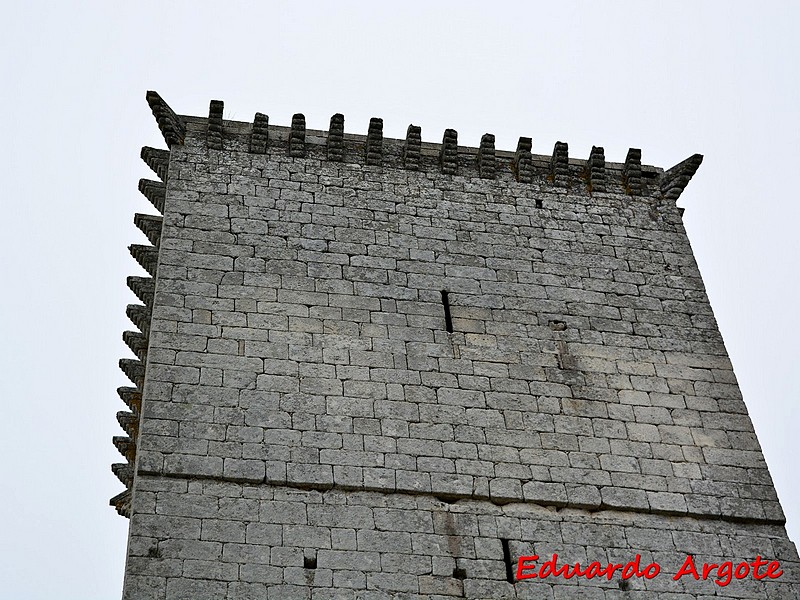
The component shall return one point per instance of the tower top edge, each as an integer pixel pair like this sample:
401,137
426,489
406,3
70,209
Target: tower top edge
557,168
320,136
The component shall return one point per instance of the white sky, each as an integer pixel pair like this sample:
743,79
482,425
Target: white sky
672,78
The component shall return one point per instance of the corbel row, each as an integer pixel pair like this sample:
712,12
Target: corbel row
155,192
559,164
486,157
412,148
141,316
335,142
594,173
559,172
523,160
214,133
373,149
260,134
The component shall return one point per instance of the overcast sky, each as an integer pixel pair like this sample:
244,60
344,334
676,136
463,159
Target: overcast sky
671,78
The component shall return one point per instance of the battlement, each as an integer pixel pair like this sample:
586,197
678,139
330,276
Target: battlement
594,174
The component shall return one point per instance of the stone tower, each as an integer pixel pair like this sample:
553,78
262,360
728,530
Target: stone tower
371,368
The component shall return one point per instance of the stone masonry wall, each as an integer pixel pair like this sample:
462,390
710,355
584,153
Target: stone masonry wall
362,377
207,539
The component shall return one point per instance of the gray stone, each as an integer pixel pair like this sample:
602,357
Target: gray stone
314,418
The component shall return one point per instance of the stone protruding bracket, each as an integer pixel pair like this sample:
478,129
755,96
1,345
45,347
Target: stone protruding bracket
596,170
129,422
137,342
448,155
523,161
675,180
122,503
134,370
297,136
374,145
335,142
126,446
132,398
124,472
412,147
486,157
157,160
259,135
632,172
150,225
144,288
155,191
146,256
139,316
559,164
214,131
171,125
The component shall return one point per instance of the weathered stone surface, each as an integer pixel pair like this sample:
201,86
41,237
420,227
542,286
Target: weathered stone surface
632,172
214,128
335,143
259,136
448,154
297,136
